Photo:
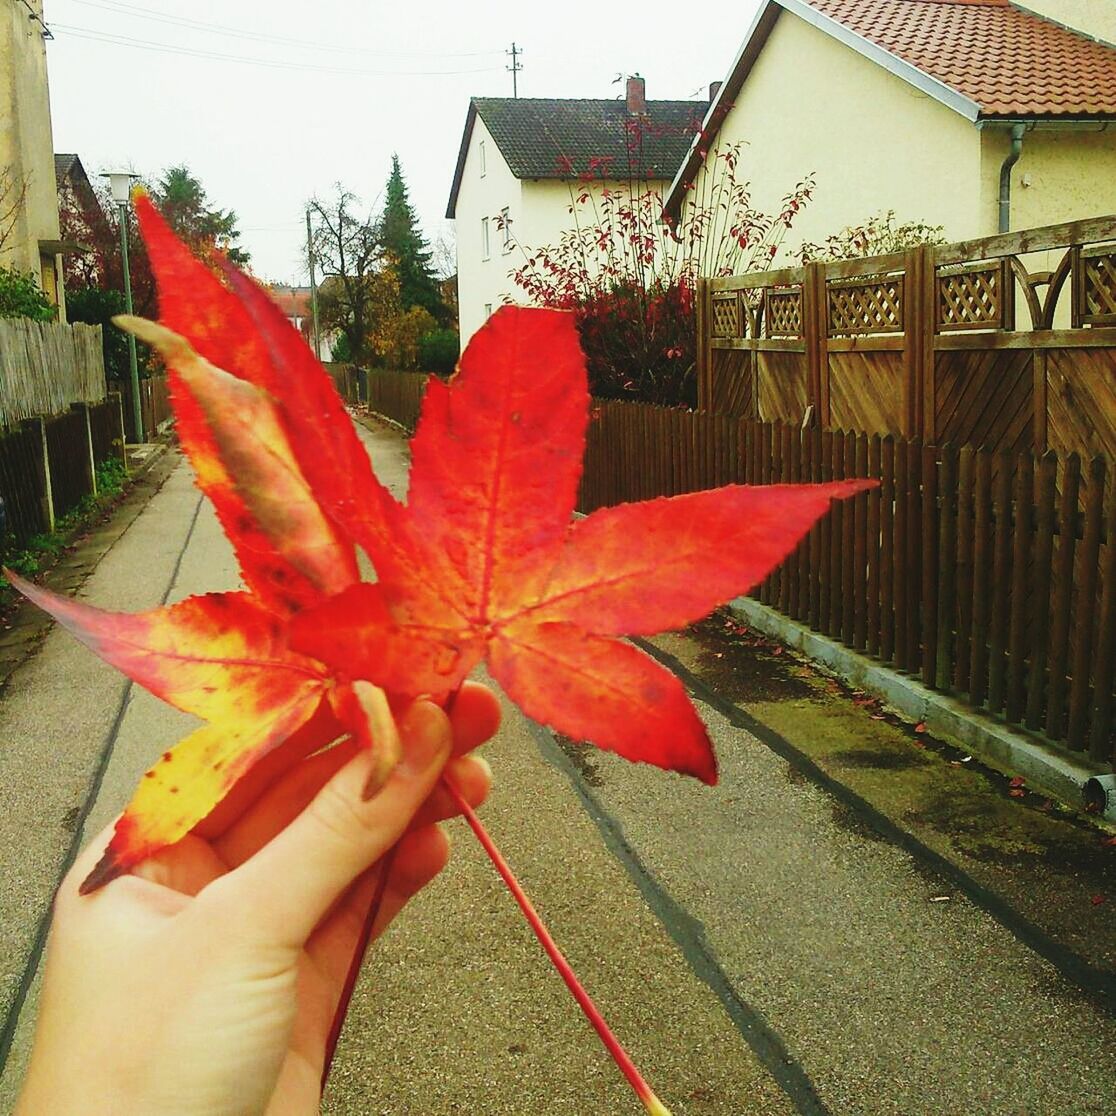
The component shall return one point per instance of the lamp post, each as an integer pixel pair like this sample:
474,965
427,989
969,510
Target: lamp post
120,184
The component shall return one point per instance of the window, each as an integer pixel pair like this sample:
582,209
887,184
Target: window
486,246
483,160
487,310
505,228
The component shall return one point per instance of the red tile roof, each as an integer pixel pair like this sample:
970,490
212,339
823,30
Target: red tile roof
293,301
1007,60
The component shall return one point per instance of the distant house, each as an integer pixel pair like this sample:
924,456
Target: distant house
73,185
30,241
80,213
520,161
296,306
977,115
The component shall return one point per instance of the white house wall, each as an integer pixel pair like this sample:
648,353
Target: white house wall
540,215
482,281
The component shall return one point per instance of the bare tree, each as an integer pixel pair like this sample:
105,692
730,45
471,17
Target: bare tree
349,254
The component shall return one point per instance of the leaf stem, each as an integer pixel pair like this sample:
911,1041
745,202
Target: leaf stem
357,960
651,1103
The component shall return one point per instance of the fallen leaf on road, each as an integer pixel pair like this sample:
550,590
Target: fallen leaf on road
1018,781
920,727
1017,792
940,898
1097,900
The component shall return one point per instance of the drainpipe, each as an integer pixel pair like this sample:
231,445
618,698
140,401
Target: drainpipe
1017,131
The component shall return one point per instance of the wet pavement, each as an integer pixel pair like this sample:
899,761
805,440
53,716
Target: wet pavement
857,920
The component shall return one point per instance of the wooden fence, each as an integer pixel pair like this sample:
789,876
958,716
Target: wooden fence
47,465
397,395
990,576
46,366
957,343
155,405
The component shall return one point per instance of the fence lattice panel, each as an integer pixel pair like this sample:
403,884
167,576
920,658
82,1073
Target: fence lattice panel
970,298
859,307
782,313
1098,286
726,316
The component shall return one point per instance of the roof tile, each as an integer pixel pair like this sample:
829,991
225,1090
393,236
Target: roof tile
1009,61
563,138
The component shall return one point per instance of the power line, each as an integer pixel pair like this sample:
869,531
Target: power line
246,60
121,8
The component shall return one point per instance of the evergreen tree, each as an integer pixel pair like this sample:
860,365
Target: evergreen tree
406,247
183,202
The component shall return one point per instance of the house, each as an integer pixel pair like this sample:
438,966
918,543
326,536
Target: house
30,242
295,302
80,212
522,161
977,115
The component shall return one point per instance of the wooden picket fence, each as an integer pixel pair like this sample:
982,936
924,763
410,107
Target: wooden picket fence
398,395
48,464
155,406
990,576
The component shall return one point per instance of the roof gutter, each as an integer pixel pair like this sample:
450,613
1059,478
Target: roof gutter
1017,131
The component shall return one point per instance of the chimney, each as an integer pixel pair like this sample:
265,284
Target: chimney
637,96
714,89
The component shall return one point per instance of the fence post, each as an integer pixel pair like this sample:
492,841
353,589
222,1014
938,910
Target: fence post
918,342
90,462
37,428
815,333
701,356
119,397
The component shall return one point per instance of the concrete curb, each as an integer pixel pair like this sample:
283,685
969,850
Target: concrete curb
1045,768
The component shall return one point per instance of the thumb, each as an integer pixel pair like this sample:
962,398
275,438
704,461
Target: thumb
287,887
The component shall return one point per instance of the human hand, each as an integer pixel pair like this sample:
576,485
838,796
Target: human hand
207,981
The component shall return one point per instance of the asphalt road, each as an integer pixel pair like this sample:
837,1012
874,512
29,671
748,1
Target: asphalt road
758,947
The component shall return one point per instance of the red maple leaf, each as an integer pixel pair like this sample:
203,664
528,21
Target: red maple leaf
484,562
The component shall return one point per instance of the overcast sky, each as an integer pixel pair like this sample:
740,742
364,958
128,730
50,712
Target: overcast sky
323,91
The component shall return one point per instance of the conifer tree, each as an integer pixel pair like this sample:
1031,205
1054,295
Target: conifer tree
408,250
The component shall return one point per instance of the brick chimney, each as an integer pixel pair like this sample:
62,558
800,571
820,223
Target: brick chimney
637,96
714,89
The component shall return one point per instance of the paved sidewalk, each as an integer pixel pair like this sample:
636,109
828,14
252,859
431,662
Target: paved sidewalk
757,949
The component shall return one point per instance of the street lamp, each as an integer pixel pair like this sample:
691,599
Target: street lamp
120,184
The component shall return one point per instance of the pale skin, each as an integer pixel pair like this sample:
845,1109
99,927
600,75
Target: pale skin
205,983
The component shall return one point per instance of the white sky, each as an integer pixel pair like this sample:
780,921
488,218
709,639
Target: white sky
266,132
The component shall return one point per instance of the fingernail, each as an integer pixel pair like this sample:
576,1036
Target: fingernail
426,737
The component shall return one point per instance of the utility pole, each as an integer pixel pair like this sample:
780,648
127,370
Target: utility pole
313,287
515,67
